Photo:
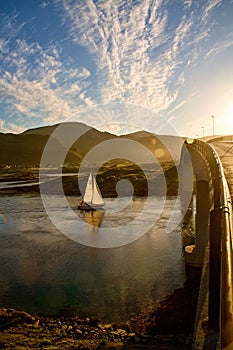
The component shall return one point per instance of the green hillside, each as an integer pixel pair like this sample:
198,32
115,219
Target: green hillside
26,150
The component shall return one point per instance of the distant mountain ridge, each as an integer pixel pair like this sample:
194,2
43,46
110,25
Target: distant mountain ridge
26,149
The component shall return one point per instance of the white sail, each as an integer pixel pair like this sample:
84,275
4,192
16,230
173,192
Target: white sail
92,195
97,198
89,189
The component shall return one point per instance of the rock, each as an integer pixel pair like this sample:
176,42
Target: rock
131,335
26,316
122,332
190,249
105,326
133,318
36,324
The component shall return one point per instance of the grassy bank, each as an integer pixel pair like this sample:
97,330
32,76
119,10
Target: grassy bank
142,179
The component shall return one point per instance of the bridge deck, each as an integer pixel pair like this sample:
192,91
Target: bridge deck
225,152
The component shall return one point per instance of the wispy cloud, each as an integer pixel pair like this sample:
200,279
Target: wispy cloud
211,4
36,82
117,35
137,57
10,127
10,27
44,4
181,104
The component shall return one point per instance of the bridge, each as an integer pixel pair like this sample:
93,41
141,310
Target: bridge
211,167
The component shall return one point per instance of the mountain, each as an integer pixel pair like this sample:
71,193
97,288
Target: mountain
89,138
43,130
26,149
164,147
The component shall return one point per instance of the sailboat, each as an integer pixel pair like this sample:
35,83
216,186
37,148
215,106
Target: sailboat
92,199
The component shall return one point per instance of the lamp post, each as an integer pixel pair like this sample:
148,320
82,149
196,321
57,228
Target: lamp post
213,124
203,133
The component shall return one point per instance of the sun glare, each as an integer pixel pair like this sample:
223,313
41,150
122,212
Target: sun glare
228,119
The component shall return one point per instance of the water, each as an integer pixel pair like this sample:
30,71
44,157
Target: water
42,271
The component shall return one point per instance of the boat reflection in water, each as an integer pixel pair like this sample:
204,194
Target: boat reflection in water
93,219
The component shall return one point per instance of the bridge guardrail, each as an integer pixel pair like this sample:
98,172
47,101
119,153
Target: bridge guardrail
221,254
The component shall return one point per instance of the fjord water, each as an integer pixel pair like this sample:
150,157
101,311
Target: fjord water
42,271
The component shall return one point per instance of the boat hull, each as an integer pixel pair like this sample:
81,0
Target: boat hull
89,207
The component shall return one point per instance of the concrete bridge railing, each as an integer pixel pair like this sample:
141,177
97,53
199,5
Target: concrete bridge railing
217,209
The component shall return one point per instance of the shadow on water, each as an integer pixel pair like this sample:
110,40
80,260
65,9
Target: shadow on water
171,323
176,314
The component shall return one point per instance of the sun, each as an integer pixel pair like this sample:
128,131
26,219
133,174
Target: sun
228,119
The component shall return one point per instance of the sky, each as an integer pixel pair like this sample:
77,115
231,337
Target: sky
164,66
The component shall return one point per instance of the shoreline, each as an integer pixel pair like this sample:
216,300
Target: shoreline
21,330
107,180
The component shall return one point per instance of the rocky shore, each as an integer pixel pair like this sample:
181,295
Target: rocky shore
20,330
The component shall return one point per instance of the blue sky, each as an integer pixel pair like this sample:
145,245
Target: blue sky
157,65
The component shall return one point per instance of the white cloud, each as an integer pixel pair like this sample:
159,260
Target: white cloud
211,4
44,4
10,127
38,84
137,58
188,3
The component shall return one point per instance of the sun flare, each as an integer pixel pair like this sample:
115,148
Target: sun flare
228,118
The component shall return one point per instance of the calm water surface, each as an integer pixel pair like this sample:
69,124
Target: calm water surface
43,271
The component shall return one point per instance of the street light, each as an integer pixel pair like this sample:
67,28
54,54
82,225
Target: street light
213,124
203,133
